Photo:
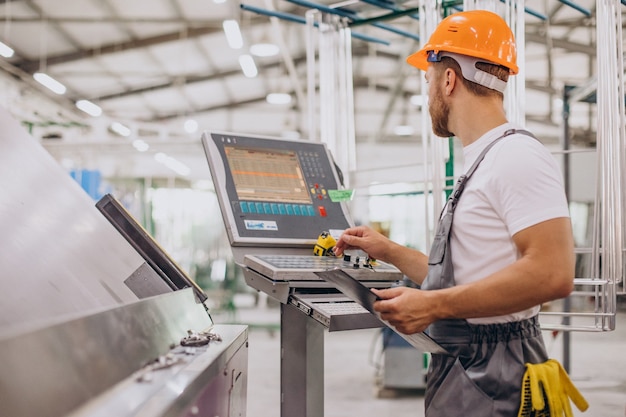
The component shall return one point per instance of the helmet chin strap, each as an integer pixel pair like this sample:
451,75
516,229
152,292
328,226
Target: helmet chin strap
471,73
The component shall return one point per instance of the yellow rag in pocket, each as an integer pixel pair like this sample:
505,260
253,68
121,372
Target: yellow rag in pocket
548,382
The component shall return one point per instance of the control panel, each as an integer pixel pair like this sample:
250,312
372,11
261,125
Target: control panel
275,192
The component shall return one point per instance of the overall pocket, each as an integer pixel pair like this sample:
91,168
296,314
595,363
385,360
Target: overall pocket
459,396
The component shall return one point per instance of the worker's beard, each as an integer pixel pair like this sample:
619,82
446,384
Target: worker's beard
439,114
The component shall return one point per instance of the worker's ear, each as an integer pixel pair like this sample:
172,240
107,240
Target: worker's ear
450,79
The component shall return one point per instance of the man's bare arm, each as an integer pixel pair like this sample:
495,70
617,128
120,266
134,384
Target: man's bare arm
412,263
544,272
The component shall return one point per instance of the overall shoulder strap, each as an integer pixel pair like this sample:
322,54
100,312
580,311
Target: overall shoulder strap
480,158
460,184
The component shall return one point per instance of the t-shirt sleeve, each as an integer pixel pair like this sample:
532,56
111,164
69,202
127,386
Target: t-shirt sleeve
528,185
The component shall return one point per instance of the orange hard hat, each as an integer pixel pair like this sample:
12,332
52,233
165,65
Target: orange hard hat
476,33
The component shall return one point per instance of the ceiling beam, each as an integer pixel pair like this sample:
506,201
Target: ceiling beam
562,43
110,19
224,106
359,83
358,51
191,79
31,66
193,29
298,60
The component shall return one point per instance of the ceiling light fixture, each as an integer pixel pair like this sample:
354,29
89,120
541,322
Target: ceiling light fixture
172,163
140,145
120,129
191,126
88,107
248,66
278,98
49,82
5,50
264,49
233,34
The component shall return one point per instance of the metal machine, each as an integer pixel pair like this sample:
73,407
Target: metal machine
276,197
90,324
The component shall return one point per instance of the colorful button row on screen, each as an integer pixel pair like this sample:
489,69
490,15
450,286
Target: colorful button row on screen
277,208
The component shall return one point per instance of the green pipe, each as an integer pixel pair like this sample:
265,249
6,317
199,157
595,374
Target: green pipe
298,19
450,168
387,16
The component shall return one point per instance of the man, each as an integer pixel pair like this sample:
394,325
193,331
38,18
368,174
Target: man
511,246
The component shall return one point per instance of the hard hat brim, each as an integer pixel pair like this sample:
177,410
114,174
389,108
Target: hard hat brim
418,59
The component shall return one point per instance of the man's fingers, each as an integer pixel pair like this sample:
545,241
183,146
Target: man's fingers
388,293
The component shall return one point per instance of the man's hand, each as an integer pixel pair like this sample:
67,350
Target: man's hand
409,310
412,263
368,240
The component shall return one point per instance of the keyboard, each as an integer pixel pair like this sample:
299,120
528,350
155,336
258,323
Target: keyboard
348,307
303,267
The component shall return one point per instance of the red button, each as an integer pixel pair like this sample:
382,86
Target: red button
322,210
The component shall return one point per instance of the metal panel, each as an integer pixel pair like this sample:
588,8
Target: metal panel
336,311
92,364
301,366
59,255
145,282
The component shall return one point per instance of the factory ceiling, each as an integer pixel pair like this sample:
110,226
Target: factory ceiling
163,69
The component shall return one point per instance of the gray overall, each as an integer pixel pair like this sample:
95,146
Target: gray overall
482,376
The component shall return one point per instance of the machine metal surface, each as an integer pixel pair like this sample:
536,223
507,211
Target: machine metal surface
126,361
87,326
60,257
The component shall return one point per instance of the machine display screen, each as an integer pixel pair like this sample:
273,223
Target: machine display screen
267,175
274,191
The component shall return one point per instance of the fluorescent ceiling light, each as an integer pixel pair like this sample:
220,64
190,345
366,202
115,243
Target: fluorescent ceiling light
49,82
233,34
120,129
219,1
191,126
264,49
278,98
5,50
403,130
248,66
160,157
89,108
140,145
172,163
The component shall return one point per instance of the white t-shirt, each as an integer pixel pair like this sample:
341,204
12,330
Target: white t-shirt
517,185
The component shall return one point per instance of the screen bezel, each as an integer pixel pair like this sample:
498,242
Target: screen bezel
218,174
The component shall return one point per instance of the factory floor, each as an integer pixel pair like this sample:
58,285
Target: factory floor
353,374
